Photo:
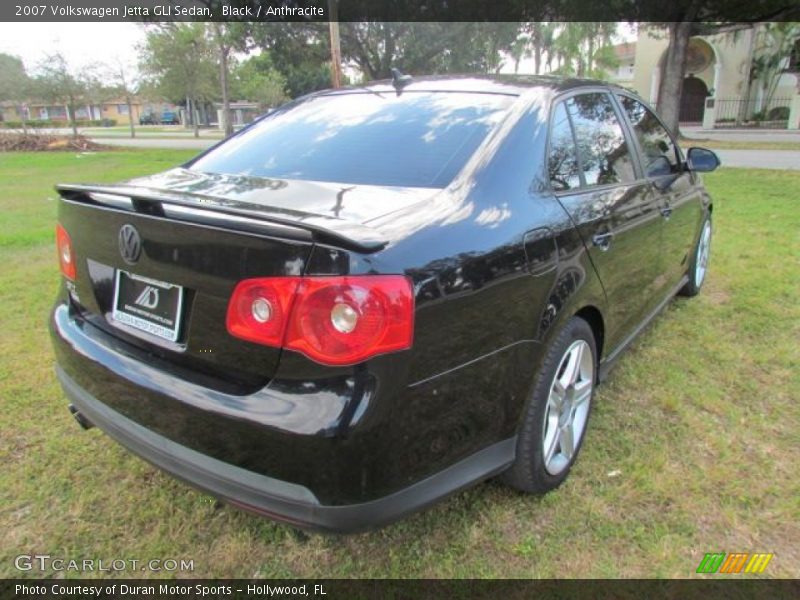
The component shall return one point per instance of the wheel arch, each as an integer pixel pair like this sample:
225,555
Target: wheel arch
592,315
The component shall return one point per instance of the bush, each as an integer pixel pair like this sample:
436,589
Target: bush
779,113
32,124
39,124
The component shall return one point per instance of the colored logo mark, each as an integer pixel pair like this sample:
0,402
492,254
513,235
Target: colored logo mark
736,562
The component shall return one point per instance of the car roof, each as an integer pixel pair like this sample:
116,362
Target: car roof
487,84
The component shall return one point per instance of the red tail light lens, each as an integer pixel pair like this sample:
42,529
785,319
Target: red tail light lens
66,255
259,309
332,320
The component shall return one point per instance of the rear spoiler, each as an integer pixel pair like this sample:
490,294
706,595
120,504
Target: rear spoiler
210,210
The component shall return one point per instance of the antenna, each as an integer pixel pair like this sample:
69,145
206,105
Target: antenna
399,80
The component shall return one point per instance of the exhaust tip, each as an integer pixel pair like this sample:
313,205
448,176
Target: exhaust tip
80,418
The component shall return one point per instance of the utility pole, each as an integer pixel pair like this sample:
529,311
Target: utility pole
336,53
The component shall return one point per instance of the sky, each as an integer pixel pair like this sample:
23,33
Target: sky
84,44
81,44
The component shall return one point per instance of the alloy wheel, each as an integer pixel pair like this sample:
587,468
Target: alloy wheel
568,407
703,251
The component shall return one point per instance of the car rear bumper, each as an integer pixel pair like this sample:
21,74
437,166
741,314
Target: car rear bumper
281,500
84,373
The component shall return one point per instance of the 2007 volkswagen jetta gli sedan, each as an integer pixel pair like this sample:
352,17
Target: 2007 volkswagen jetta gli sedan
374,297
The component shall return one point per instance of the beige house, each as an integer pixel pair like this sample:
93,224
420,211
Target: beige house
718,66
114,109
626,63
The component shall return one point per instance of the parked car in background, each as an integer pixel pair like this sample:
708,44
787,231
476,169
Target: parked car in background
148,118
375,297
169,117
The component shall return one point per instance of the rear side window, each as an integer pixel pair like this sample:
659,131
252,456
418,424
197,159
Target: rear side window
603,153
660,154
417,139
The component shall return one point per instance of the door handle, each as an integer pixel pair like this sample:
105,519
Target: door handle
666,211
602,240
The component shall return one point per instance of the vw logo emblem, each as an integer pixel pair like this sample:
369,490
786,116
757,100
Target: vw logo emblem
130,244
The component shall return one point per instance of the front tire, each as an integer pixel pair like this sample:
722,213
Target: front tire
556,417
699,266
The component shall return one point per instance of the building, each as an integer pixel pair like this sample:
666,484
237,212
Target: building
115,110
626,61
242,113
720,66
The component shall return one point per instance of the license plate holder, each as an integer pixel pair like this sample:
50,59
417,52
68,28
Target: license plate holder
148,305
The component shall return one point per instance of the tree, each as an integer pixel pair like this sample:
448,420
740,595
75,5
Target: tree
56,81
178,60
299,51
256,79
423,48
542,39
228,37
15,85
773,48
580,48
122,85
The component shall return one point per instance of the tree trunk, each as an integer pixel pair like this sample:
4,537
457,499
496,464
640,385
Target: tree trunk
130,115
71,116
581,62
195,118
224,52
743,115
227,126
23,119
671,87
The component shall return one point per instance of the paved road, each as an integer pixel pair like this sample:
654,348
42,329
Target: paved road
760,159
188,143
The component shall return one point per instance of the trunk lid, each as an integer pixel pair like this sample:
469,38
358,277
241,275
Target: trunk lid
202,234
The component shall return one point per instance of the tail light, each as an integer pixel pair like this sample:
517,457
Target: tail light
66,255
332,320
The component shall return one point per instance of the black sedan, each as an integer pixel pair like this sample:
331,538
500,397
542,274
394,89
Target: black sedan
374,297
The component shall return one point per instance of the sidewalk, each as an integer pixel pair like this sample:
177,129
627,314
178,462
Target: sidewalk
760,159
741,135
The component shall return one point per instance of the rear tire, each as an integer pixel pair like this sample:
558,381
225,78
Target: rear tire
698,269
557,414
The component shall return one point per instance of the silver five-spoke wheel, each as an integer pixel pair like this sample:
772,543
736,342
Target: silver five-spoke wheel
567,407
703,250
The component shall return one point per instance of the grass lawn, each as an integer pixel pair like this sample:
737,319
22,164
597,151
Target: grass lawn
693,446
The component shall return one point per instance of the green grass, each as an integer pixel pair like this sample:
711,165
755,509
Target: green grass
693,445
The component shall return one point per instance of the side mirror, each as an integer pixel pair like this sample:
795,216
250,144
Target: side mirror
701,160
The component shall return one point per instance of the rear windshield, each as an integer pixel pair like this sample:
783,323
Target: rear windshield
417,139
